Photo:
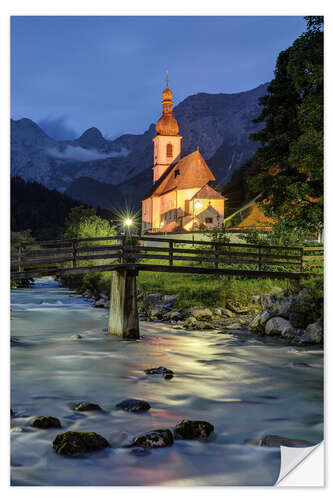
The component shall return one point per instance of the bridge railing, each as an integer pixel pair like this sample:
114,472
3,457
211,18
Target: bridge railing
97,254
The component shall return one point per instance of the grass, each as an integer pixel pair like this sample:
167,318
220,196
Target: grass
192,289
205,290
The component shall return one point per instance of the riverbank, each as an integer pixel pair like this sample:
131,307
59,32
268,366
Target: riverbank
247,386
291,311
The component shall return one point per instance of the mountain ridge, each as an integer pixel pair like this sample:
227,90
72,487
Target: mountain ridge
218,123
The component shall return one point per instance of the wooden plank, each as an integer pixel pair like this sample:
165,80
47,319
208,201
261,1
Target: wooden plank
204,259
170,253
315,264
313,257
221,271
242,245
313,249
41,253
99,256
99,248
56,271
209,252
105,238
158,268
47,261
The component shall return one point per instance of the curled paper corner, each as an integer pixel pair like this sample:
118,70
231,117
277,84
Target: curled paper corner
302,466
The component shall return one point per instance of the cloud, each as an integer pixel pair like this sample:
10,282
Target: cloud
57,127
76,153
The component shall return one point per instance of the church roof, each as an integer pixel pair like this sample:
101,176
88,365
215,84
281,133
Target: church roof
189,172
208,193
171,227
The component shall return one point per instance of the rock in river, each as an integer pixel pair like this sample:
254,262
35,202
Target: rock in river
193,429
46,422
78,443
277,441
84,406
158,438
167,374
133,405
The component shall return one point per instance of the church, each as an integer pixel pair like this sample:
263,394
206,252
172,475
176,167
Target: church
181,198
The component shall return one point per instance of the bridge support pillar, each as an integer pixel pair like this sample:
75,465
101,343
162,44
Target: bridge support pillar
123,315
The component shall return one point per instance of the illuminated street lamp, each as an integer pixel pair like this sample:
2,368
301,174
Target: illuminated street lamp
128,222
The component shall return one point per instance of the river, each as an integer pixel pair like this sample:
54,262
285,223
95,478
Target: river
246,386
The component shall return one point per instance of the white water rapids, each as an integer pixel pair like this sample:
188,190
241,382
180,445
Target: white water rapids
246,386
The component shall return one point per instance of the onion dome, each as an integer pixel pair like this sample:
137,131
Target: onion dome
167,95
167,124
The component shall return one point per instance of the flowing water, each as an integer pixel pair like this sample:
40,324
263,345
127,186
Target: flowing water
246,386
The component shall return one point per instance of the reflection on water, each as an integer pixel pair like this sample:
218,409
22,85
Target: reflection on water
246,386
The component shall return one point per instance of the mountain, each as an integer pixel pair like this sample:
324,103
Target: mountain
38,209
95,193
218,123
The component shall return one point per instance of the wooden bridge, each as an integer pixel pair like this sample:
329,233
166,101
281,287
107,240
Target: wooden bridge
127,255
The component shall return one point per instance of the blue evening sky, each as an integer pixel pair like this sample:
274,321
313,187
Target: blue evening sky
72,73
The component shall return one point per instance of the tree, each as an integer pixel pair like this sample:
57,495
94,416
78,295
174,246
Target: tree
291,151
84,223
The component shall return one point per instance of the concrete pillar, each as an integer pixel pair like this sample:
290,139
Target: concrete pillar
123,315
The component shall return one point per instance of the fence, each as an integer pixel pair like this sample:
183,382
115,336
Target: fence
80,255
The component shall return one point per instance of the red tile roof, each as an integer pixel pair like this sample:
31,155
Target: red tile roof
190,172
208,193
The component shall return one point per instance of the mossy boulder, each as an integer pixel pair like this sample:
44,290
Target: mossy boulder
303,310
158,438
199,313
78,443
193,429
133,405
46,422
161,370
85,406
314,334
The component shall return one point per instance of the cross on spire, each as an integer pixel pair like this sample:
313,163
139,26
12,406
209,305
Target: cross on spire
167,78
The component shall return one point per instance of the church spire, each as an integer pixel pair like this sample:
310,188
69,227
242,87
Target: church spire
167,124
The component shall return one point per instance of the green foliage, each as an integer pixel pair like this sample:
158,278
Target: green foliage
292,138
283,234
237,190
23,237
314,300
219,234
28,242
84,223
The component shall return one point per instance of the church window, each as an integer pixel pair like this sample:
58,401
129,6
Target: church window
177,172
208,220
169,150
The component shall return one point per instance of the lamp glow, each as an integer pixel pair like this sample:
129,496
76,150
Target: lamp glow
198,204
128,222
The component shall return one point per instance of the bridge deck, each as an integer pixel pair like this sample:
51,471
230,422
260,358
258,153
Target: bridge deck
211,258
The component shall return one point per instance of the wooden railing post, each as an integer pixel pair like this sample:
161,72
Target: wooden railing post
259,259
123,250
216,255
20,265
301,254
170,253
74,249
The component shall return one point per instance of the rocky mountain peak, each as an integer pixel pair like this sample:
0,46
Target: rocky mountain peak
91,138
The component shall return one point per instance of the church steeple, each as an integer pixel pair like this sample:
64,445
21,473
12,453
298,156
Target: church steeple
167,143
167,124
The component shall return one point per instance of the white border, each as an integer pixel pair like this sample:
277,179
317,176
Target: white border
134,7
